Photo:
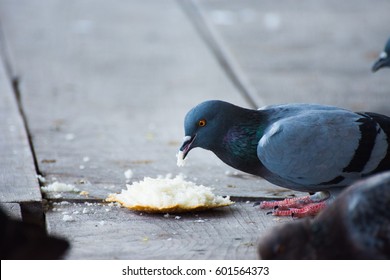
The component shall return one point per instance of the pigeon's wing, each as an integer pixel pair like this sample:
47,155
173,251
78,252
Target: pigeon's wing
318,147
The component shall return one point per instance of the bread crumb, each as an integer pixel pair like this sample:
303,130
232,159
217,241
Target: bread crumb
41,178
166,215
69,136
59,187
180,159
86,159
82,167
68,218
167,195
128,175
86,211
85,193
177,217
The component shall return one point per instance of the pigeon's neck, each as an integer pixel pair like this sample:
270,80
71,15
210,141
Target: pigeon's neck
239,144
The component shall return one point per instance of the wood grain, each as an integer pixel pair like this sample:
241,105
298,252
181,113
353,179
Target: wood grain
18,182
114,87
104,232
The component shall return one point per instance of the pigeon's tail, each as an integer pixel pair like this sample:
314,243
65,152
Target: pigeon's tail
384,123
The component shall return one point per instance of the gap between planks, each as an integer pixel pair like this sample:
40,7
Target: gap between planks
220,50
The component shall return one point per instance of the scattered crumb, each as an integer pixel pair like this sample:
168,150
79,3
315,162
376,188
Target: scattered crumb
41,178
166,215
68,218
180,159
145,239
247,202
82,167
69,136
57,195
102,223
177,217
200,221
76,212
86,159
59,187
107,209
89,203
86,211
85,193
64,203
128,174
113,204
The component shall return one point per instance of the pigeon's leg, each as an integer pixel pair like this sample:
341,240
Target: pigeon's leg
311,209
298,206
296,202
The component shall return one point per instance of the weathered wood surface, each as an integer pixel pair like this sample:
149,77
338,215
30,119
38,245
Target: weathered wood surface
114,87
105,85
306,51
18,182
226,233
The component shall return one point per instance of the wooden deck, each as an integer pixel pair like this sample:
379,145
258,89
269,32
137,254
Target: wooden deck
90,89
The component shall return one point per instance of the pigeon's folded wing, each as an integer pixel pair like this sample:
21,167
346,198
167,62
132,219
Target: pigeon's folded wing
322,147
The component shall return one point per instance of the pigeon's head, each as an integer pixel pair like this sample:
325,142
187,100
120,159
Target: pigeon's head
384,58
205,124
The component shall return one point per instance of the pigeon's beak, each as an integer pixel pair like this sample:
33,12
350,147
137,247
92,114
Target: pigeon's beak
381,62
186,146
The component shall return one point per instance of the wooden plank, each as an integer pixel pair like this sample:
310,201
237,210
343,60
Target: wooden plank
11,210
105,87
98,231
306,52
18,182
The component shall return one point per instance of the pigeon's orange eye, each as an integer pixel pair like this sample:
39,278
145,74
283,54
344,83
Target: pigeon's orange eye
202,123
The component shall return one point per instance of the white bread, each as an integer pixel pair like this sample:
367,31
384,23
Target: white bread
167,195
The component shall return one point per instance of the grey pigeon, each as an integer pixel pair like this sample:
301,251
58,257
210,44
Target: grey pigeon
303,147
384,58
355,226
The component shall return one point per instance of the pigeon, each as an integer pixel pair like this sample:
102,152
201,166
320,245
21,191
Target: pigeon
384,58
357,226
304,147
24,241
